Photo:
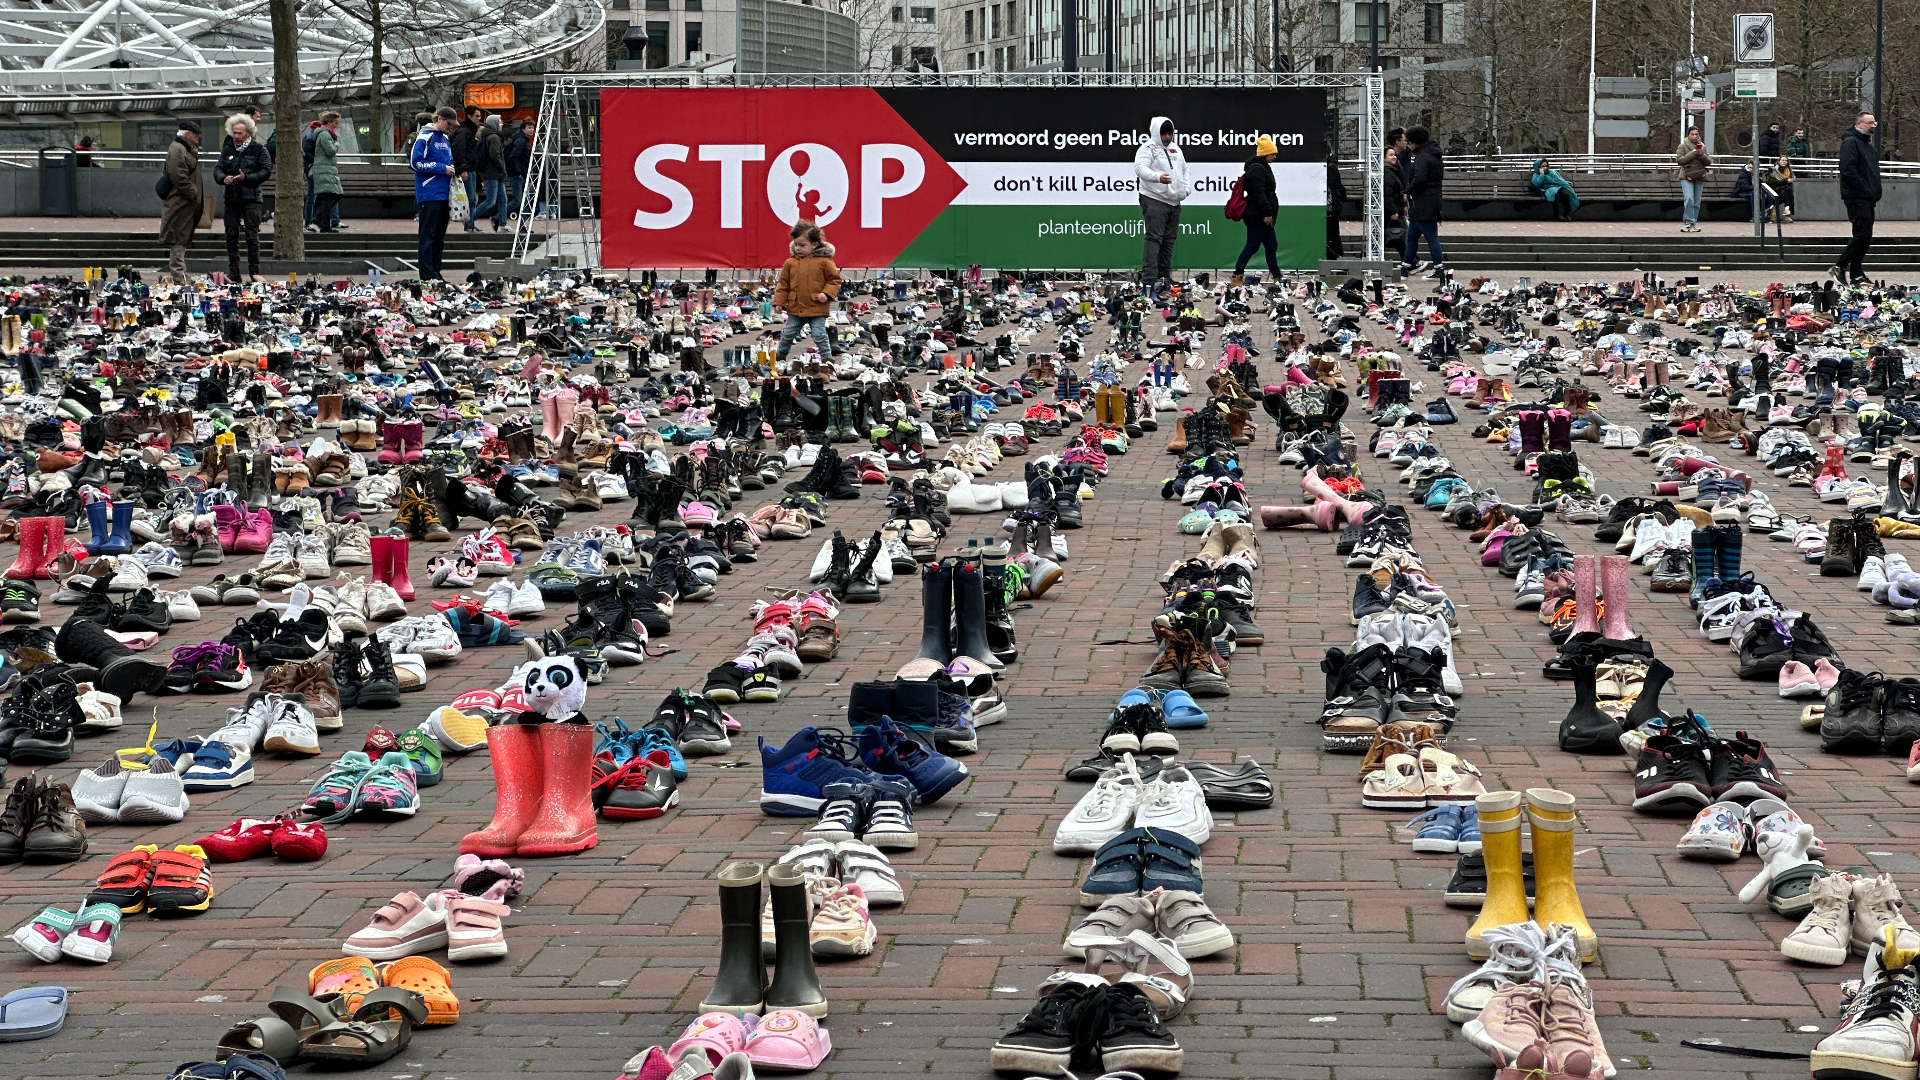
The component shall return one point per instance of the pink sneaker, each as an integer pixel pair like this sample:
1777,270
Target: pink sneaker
1798,680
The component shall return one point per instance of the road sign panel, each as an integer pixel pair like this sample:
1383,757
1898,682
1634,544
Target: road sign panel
1619,129
1753,39
1758,83
1620,106
1622,87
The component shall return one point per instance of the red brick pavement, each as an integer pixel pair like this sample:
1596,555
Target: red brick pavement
1345,945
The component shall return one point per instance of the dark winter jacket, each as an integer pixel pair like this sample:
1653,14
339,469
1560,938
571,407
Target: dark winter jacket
1859,167
492,163
1393,196
253,163
1424,183
465,141
519,154
1257,185
1769,145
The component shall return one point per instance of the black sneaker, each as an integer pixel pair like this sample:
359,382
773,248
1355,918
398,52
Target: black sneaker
1672,774
1854,715
705,728
1089,770
145,612
842,813
1041,1044
1123,730
1468,887
19,602
1367,598
1742,771
1132,1038
672,714
98,606
295,640
1246,787
1900,724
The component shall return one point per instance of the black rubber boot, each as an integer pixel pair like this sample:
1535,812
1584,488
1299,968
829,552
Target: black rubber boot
795,985
741,985
1647,705
1587,730
122,673
970,615
936,606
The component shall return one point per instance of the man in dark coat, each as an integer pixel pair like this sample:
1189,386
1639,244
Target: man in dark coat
1425,179
180,214
465,141
1859,191
244,166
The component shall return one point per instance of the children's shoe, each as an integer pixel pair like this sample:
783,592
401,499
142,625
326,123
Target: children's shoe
247,838
219,766
404,926
182,882
125,880
423,754
92,935
887,749
389,787
333,797
300,841
156,795
42,936
97,792
794,777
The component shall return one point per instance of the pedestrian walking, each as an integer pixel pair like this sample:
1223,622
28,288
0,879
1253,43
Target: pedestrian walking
1393,200
1859,191
808,283
433,177
1161,169
182,201
465,141
244,166
1692,161
1555,189
1425,185
1263,203
325,173
83,153
492,170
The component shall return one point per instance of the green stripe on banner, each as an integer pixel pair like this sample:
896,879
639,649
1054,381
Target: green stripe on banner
1103,237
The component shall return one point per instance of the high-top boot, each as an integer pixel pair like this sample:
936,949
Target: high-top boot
795,985
329,406
98,513
970,615
565,822
1585,729
740,986
1586,618
1729,544
936,607
1647,706
1320,515
518,779
1555,899
1615,582
1178,444
122,673
550,417
397,553
1352,513
1506,902
33,554
1706,561
1559,430
1533,433
120,539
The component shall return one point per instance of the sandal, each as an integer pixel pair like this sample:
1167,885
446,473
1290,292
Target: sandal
364,1039
1449,778
1399,784
432,982
296,1018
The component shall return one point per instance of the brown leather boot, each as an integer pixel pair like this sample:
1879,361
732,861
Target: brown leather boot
1178,444
329,405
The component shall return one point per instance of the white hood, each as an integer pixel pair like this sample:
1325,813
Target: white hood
1154,160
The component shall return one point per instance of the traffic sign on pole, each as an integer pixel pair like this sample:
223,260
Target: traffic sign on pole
1753,39
1756,82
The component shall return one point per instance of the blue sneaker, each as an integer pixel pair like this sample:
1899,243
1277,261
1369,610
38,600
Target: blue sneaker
1439,829
587,560
886,749
1469,828
218,766
1179,710
647,740
793,777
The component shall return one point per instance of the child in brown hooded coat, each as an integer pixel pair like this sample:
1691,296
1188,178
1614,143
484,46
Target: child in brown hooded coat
809,281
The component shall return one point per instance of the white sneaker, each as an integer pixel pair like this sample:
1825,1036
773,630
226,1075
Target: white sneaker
865,866
181,605
526,601
156,794
1175,801
291,730
498,599
383,603
129,575
1102,813
315,560
97,792
429,637
354,547
160,560
611,488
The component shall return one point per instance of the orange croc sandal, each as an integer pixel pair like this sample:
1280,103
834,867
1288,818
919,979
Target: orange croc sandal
352,977
430,981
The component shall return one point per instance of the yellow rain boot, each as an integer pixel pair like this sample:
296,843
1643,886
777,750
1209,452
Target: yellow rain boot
1555,900
1506,901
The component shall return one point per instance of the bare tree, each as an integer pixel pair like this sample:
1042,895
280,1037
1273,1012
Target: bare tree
289,185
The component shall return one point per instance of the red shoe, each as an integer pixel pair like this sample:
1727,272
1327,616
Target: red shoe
381,741
248,838
300,841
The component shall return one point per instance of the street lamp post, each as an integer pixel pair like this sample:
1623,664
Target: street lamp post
1593,49
1879,72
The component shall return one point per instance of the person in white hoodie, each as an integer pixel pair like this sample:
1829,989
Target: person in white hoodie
1162,172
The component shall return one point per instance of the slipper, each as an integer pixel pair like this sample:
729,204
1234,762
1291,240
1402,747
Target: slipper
352,977
717,1033
788,1039
432,982
1180,710
33,1012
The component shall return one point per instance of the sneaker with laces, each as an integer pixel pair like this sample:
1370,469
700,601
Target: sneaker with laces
389,787
794,776
291,729
1741,770
1671,774
888,816
1823,936
1874,1036
1175,801
888,749
1102,813
840,814
1042,1043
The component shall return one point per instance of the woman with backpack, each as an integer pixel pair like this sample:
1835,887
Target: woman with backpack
1262,202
